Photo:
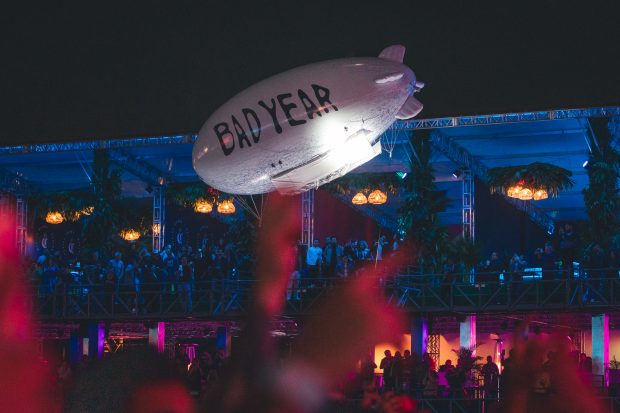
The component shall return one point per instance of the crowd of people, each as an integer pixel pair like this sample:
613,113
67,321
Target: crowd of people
200,373
419,377
176,270
552,261
181,269
332,259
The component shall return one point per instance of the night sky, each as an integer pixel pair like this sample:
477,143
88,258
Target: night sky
92,70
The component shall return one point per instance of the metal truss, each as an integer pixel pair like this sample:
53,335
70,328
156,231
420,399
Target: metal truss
433,347
452,122
307,217
229,299
21,223
159,218
143,170
99,144
428,294
468,211
448,122
233,299
465,159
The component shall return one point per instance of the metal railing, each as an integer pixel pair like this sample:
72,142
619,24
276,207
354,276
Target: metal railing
523,291
452,405
216,299
593,289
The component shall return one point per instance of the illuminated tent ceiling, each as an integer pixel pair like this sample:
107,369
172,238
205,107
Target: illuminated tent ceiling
557,137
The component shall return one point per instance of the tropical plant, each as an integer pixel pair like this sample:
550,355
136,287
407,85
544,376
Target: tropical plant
244,232
466,252
466,366
538,175
364,182
466,359
100,210
421,206
102,225
601,194
186,194
70,204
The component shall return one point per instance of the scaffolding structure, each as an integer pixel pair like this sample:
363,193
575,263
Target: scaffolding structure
307,217
469,228
433,347
21,223
159,217
433,123
477,169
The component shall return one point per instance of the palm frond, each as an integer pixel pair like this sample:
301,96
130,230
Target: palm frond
551,178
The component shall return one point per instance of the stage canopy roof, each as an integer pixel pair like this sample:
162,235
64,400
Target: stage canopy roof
558,137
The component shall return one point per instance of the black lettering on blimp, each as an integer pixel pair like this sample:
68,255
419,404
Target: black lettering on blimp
272,112
308,104
322,95
227,137
254,129
241,136
221,130
287,107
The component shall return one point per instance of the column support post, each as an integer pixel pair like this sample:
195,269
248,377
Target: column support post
157,336
600,347
307,217
159,218
467,329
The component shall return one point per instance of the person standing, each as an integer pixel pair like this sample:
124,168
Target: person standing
314,259
329,258
568,244
490,372
387,364
380,245
185,275
367,371
397,371
118,267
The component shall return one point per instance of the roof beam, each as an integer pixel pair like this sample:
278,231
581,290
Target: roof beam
465,159
92,145
434,123
495,136
474,120
534,155
140,169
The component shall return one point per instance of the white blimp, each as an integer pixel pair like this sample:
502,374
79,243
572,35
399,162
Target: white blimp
307,126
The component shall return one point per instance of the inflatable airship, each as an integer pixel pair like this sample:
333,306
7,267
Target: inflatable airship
307,126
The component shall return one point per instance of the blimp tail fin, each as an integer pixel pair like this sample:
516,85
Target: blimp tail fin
410,108
395,53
